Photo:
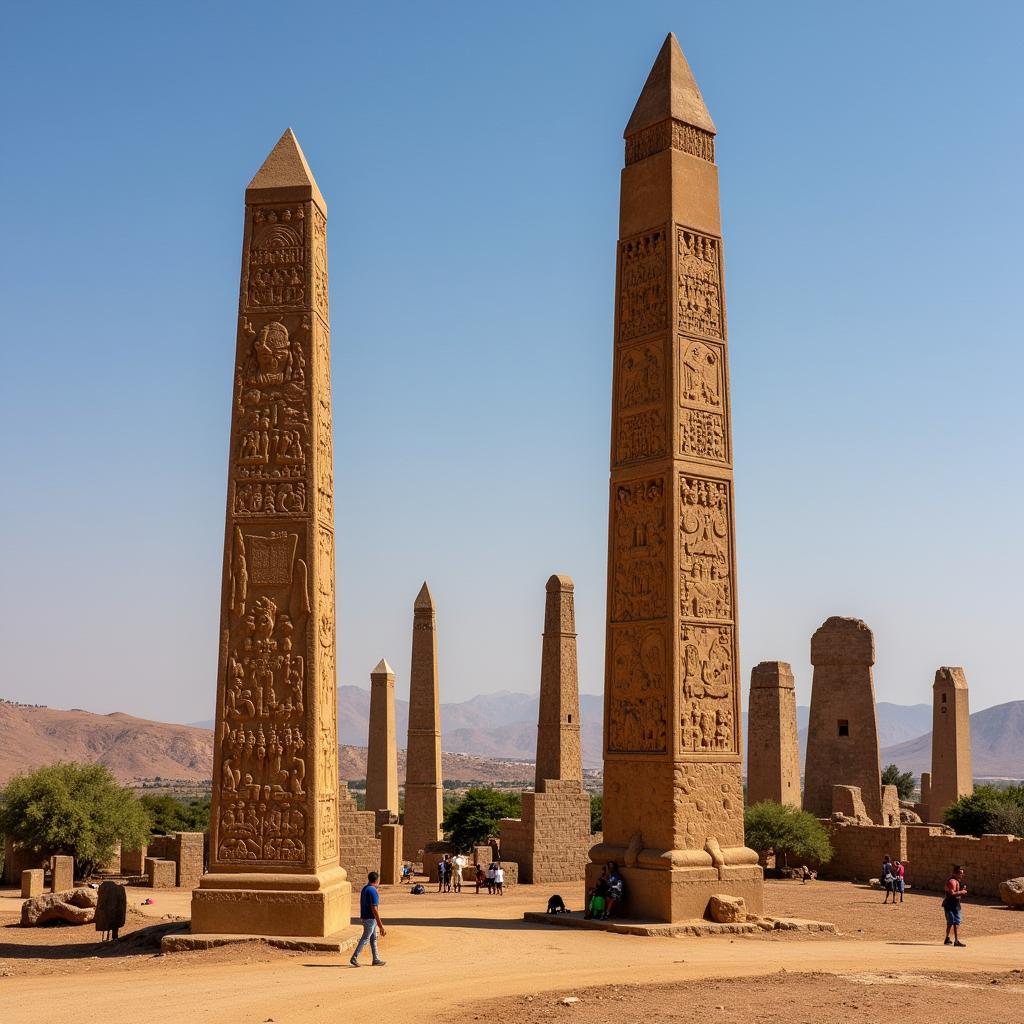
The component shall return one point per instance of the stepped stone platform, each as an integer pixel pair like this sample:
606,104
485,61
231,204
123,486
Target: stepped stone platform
339,942
626,926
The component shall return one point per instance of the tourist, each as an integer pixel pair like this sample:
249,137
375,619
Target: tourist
491,868
955,891
888,880
369,916
406,873
499,879
597,896
900,881
458,863
481,878
616,889
442,872
807,875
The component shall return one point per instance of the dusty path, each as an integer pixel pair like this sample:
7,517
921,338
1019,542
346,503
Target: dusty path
445,954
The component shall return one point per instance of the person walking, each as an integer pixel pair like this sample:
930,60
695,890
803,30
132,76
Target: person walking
955,892
888,879
369,899
481,878
499,879
442,872
900,883
458,863
491,868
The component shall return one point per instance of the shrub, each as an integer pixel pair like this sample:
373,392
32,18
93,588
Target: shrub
596,812
987,810
903,781
469,821
788,831
169,814
75,809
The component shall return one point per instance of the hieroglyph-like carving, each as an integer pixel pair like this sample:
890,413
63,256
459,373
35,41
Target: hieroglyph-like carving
641,376
640,584
703,433
275,273
670,134
705,563
643,285
320,297
324,433
699,283
638,712
706,672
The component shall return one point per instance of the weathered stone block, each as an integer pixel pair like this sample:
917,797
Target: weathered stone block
32,882
390,854
727,909
133,862
161,874
62,873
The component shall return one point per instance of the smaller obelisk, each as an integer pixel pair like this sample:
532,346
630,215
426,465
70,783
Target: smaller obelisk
952,775
382,747
773,751
422,820
558,718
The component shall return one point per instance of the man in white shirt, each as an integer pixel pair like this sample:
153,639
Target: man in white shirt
499,879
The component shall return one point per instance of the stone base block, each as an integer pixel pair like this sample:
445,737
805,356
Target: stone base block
31,883
659,928
272,905
340,943
684,894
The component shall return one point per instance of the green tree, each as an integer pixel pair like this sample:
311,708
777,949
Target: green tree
169,814
988,810
596,812
903,781
76,809
469,821
788,831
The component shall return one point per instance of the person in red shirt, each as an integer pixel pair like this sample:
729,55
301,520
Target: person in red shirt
901,880
955,891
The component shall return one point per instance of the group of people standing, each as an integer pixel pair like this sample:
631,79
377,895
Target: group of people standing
450,875
894,874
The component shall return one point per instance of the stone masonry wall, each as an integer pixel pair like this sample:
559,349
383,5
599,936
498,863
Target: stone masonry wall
858,851
359,847
551,841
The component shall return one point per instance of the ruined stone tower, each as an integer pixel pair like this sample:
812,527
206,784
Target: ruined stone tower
773,752
558,718
422,820
673,796
274,817
951,742
551,839
842,734
382,745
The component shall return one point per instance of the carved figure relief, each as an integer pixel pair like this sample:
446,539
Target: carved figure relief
640,575
320,297
276,269
705,570
702,431
638,719
324,435
643,285
699,283
670,134
707,688
641,436
642,377
269,499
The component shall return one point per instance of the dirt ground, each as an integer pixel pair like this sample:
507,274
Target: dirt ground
463,957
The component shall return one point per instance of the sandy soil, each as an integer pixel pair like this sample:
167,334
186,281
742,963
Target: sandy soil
448,954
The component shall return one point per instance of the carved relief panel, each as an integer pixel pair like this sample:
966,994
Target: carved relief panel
643,285
275,270
703,432
262,723
639,704
639,554
707,689
698,283
641,430
320,296
705,557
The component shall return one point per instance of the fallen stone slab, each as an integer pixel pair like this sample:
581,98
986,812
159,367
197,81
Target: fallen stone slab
77,906
186,942
727,909
1011,892
624,926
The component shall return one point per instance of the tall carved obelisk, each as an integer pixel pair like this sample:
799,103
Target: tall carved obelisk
381,745
422,819
274,820
673,796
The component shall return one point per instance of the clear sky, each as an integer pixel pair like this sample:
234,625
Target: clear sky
871,168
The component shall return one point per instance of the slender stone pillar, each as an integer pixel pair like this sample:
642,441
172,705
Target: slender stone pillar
842,734
952,775
382,747
773,751
559,755
274,818
422,820
673,798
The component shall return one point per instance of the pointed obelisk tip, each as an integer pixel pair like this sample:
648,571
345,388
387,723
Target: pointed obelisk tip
424,599
383,668
670,92
285,175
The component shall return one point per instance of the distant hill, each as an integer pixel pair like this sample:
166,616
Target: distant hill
135,748
997,745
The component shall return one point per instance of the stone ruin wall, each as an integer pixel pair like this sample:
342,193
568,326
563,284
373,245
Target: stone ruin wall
359,847
929,853
552,840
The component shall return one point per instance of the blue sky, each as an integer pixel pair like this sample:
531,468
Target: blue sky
870,162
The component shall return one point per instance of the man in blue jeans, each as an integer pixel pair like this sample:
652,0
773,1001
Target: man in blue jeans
369,899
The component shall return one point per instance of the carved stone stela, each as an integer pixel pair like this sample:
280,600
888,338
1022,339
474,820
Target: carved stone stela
673,811
275,782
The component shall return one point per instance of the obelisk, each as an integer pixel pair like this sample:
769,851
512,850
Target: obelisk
773,747
382,746
558,716
673,795
274,817
952,776
422,820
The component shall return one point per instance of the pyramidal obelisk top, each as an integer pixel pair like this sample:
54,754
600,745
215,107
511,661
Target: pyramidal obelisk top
285,176
670,91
